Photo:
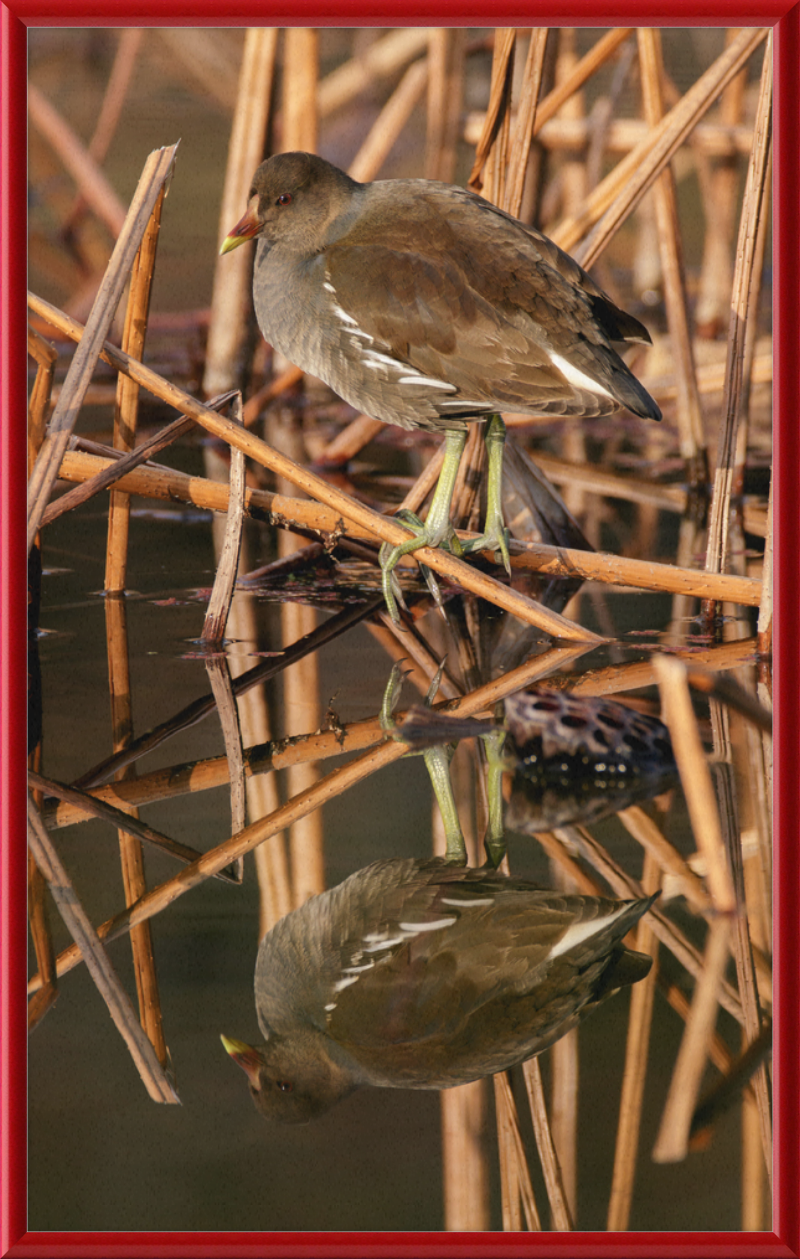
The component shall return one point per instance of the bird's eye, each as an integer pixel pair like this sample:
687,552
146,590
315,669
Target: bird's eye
284,199
285,1086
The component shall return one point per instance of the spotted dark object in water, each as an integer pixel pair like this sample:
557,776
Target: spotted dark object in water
574,759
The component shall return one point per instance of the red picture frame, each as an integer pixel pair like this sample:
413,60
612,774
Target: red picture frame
15,17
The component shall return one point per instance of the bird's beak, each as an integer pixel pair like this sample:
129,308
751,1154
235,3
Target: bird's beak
246,1057
245,229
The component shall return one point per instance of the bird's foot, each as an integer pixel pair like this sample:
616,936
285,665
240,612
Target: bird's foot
495,538
425,535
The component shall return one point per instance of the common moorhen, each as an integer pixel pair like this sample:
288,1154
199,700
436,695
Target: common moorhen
426,306
424,975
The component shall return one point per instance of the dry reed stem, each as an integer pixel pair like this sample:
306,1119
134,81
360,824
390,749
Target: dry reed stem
465,1186
309,516
386,129
617,195
747,274
742,945
656,846
91,950
328,788
628,677
92,183
124,431
219,604
673,1136
525,121
382,59
154,175
574,81
82,805
631,489
626,1149
625,886
688,414
232,277
130,848
220,680
42,939
201,707
116,468
497,109
711,139
565,1077
300,112
560,1216
301,704
690,758
130,41
386,529
349,441
728,1088
515,1180
446,53
46,356
719,190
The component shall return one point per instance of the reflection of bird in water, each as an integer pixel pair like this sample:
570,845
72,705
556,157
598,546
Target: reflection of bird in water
425,974
426,306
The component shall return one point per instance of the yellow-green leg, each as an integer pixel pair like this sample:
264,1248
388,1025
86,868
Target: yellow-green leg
495,534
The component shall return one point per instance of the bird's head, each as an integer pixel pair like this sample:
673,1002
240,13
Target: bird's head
290,1082
293,199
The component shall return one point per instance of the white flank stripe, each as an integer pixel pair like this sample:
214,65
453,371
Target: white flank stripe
374,358
577,377
482,900
427,926
426,380
581,931
375,945
344,983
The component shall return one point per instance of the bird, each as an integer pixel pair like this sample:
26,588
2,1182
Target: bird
425,974
424,305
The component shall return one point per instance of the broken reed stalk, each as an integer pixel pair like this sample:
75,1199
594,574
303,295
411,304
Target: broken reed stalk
219,605
310,516
672,1141
300,681
560,1216
389,124
156,171
130,41
445,98
230,297
745,285
82,805
515,1180
465,1172
383,527
201,707
637,1043
689,414
124,433
334,784
91,950
46,356
84,169
678,716
617,195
